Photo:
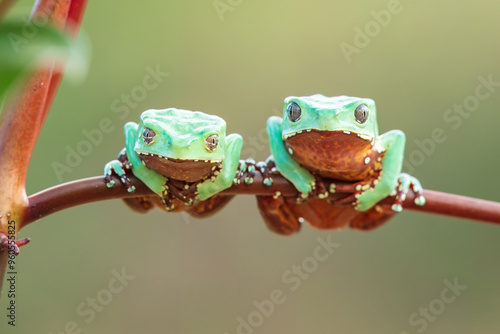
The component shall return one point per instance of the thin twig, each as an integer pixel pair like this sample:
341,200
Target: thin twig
93,189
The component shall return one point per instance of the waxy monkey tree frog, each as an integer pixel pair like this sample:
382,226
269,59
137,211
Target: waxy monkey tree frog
335,138
183,156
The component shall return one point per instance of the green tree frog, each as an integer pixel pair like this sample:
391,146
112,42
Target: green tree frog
335,138
183,156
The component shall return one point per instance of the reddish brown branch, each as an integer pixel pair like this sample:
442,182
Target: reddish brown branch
93,189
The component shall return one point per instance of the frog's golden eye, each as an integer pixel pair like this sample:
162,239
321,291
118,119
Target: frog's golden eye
361,113
211,142
148,136
293,112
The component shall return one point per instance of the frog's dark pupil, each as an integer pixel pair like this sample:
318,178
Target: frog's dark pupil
361,113
212,142
293,111
148,135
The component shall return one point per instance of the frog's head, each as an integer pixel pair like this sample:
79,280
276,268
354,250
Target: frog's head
321,113
330,136
181,144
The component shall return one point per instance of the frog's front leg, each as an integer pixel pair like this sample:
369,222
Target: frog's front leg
301,178
392,143
118,167
225,179
155,181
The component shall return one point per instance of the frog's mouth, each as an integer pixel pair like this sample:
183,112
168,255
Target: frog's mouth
180,169
335,154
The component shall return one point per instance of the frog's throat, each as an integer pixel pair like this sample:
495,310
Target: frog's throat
335,154
187,170
347,132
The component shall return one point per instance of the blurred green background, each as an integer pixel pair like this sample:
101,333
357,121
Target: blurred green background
199,276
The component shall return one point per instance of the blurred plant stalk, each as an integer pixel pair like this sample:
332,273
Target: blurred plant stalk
23,116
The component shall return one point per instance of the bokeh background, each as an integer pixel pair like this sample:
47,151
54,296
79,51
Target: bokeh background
199,276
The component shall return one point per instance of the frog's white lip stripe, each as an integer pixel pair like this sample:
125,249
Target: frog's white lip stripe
347,132
167,158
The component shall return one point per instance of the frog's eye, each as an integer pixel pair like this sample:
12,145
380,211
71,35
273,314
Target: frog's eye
148,136
293,111
212,142
361,113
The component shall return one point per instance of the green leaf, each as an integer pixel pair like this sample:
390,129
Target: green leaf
25,45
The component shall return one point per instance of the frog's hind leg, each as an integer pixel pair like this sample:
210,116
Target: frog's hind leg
210,206
372,218
139,204
278,215
323,215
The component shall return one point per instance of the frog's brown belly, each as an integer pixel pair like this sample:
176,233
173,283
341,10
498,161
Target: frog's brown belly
335,154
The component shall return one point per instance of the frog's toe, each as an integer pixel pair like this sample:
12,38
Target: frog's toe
250,171
321,188
397,207
126,181
108,170
266,168
361,205
109,182
419,200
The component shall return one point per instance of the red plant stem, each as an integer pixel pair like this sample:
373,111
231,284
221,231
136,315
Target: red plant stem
93,189
72,25
22,120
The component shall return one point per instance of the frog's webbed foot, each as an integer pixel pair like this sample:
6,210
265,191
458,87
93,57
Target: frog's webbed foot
6,243
319,189
247,169
246,172
118,167
405,182
267,168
